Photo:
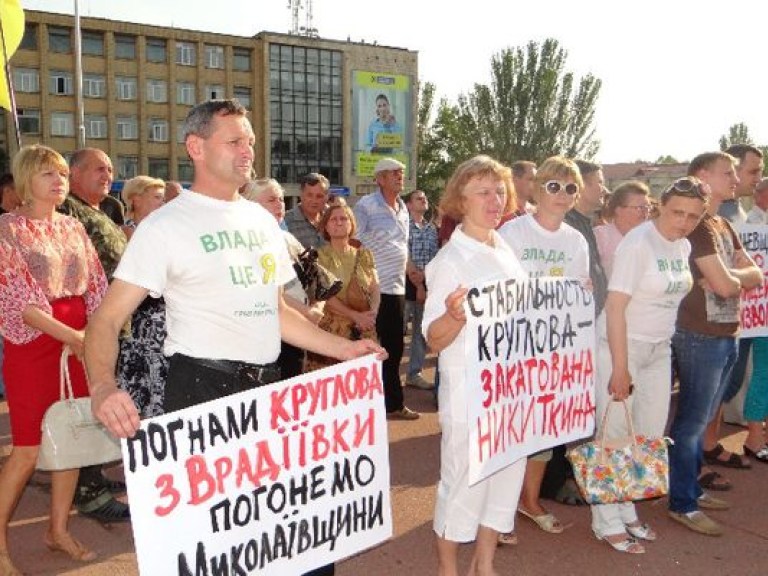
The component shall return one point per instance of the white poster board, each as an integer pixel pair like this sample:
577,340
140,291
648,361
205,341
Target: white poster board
754,302
276,480
531,369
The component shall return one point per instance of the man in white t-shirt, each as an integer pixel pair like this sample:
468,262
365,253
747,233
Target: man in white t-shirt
220,262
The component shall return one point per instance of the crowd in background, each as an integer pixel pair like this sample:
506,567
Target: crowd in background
666,274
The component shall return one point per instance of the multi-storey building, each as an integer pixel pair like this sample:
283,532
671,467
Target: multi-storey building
313,101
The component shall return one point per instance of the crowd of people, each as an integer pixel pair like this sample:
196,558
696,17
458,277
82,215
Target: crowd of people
155,322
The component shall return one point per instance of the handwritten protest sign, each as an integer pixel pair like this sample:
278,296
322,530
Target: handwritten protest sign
754,302
276,480
531,369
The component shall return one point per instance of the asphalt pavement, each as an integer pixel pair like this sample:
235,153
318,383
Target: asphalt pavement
414,457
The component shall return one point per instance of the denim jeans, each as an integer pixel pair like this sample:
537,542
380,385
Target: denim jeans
736,379
704,366
415,310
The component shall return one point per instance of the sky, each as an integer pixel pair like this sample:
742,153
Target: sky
676,74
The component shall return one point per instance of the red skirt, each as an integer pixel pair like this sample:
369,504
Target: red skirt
31,373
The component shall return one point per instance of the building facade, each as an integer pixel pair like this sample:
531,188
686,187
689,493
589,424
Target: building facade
316,104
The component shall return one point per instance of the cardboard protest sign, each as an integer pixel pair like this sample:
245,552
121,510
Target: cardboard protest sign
754,302
531,369
276,480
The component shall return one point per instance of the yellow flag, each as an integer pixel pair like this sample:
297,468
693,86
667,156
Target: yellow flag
12,22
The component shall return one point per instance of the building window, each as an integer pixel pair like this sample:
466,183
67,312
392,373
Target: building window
126,87
61,83
95,126
127,128
125,47
62,124
94,86
157,50
127,167
243,94
157,91
158,130
180,136
214,56
59,39
29,120
26,79
158,168
241,59
186,171
305,102
214,91
185,93
185,53
29,40
92,43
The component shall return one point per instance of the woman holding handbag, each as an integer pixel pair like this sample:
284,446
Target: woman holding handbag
650,277
352,312
50,281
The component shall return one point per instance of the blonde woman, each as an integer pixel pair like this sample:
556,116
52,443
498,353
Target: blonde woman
141,195
51,281
142,367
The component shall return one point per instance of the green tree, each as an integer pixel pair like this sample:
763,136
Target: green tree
667,160
737,134
532,109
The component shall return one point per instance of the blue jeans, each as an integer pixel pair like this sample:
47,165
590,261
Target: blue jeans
418,345
736,379
704,366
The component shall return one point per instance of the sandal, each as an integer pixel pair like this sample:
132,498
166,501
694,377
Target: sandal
711,457
629,545
547,521
641,532
714,481
6,566
761,455
507,539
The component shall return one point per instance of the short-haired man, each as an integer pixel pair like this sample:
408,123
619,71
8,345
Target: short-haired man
422,247
749,170
211,283
582,217
304,219
704,343
382,227
524,179
90,178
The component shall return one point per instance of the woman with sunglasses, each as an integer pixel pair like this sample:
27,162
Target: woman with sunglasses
650,277
628,206
547,246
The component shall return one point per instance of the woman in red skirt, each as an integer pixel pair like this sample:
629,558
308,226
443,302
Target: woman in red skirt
50,281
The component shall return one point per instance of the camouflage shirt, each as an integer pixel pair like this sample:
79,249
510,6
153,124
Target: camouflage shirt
105,235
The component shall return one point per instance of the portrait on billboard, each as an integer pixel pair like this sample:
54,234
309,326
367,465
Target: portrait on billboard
381,119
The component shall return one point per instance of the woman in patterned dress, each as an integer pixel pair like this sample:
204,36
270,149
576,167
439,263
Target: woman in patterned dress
142,367
50,282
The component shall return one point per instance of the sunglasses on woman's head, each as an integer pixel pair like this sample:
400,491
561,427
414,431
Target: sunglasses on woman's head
688,187
554,187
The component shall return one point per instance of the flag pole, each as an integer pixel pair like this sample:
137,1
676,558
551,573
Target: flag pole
9,83
80,116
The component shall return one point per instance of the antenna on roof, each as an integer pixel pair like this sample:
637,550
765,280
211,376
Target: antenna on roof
296,7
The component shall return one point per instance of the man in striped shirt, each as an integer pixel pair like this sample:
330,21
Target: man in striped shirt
382,227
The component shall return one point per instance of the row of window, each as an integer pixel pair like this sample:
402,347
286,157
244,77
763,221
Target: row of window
126,87
128,167
60,39
126,127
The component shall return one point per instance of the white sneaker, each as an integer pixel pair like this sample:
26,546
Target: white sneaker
419,382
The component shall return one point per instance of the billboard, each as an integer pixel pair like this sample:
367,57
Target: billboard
381,119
